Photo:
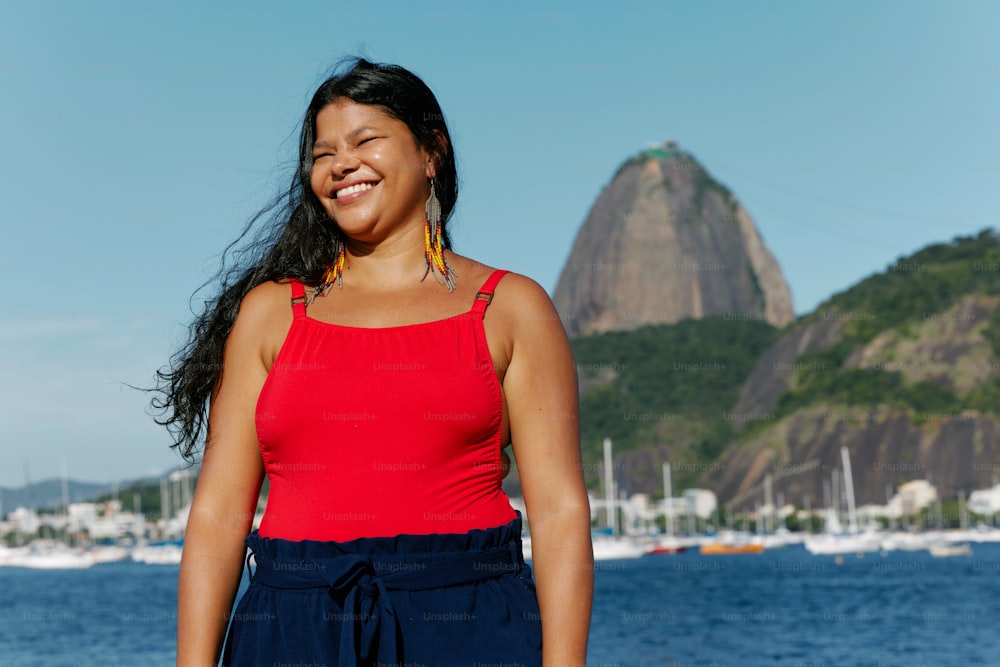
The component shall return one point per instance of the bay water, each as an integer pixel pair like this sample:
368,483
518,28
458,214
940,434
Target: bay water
781,608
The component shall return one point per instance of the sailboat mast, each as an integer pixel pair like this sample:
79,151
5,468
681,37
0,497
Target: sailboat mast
164,502
849,484
609,486
668,496
768,503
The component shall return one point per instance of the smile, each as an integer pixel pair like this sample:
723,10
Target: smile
352,189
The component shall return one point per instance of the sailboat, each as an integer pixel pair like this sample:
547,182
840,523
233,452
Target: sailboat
835,541
608,545
669,544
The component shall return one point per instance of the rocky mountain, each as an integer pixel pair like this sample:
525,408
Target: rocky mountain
666,242
903,369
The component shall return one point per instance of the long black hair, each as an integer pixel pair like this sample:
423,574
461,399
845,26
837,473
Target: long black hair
293,237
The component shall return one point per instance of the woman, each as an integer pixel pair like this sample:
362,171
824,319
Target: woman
378,402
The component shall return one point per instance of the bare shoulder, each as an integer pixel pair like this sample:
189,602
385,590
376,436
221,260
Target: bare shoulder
266,299
516,297
264,318
525,304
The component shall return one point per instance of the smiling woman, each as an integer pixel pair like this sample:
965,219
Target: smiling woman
378,411
370,173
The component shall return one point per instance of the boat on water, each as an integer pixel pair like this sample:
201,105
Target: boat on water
781,538
51,555
610,543
109,553
608,547
48,555
844,543
665,549
950,550
978,534
907,541
165,554
854,541
720,549
728,542
669,544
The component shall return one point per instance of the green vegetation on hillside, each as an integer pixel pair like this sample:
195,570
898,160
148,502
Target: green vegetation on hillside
666,385
927,282
146,492
915,288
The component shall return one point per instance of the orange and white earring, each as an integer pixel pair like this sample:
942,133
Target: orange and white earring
434,261
334,273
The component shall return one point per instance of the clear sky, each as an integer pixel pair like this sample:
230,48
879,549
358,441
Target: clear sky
137,138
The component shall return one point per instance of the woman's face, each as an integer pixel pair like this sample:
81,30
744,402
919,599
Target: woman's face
368,171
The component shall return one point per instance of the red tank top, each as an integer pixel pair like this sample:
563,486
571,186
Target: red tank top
375,432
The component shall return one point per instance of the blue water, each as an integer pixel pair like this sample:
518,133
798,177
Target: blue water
782,608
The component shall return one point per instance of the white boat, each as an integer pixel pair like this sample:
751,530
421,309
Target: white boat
853,541
162,554
49,556
109,553
782,538
611,545
6,554
978,534
900,541
607,547
844,543
950,550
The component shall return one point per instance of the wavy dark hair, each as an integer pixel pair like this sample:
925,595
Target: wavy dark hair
293,237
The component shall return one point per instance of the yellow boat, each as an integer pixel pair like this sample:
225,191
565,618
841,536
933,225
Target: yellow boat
719,549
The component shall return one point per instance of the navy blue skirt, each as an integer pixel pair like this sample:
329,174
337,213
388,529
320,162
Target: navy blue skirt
459,599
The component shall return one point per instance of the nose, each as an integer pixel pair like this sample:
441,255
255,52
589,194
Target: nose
344,163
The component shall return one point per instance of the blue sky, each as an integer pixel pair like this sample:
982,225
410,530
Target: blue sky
137,138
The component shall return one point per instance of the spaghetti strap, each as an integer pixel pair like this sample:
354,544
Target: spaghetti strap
485,294
298,299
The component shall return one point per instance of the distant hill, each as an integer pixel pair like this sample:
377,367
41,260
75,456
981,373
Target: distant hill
47,494
902,368
665,242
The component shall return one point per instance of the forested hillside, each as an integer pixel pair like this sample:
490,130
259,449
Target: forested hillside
665,388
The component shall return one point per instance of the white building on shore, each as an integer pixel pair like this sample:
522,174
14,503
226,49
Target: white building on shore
985,501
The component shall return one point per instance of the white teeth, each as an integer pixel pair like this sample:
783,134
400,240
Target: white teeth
354,188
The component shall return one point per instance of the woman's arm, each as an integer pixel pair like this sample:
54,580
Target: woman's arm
226,497
540,387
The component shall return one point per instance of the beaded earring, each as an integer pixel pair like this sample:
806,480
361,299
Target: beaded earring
333,274
434,261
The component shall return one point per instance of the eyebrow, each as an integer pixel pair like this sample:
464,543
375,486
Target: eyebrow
327,144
